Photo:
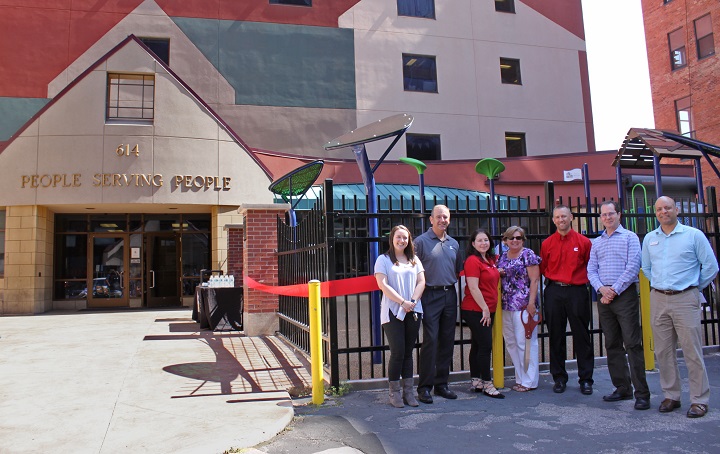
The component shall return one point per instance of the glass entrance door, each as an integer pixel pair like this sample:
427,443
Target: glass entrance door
163,269
107,283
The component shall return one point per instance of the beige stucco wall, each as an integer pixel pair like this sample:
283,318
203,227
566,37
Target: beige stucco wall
72,140
472,109
27,286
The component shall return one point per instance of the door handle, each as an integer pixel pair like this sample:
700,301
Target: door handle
152,272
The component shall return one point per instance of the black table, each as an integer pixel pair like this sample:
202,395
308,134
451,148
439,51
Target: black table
219,308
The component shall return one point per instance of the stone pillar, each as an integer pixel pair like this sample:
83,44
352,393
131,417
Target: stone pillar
260,263
28,260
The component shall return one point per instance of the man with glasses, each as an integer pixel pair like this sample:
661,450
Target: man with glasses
564,256
679,262
613,272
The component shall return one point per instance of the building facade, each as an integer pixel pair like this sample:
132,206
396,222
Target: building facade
684,68
130,130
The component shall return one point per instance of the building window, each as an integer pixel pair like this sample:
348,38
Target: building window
510,71
676,41
160,46
416,8
2,243
505,6
424,147
130,97
419,73
704,36
291,2
683,110
515,144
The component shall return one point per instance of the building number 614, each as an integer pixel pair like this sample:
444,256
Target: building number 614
125,150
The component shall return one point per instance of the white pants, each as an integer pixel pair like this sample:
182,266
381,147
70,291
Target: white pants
514,334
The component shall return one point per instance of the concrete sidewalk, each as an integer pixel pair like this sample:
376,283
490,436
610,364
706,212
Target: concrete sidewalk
139,381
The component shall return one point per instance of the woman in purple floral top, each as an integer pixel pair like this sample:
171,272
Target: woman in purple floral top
520,274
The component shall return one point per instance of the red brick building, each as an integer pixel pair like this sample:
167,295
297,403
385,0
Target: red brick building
684,68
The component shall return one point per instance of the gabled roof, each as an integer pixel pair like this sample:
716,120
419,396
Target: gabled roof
191,92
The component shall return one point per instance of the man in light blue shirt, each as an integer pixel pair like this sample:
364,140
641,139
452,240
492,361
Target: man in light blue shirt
679,262
613,272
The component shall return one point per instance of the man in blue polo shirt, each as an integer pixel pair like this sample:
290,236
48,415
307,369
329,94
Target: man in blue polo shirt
679,262
442,259
613,272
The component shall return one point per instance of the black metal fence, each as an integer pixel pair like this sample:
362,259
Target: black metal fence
329,245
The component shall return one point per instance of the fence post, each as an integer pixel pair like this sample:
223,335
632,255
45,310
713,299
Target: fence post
316,354
648,345
497,344
329,212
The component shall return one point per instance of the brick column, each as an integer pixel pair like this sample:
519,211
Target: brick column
235,234
260,263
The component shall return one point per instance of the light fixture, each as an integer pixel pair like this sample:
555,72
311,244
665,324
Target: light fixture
411,62
109,226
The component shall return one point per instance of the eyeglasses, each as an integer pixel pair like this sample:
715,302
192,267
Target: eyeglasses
609,214
516,238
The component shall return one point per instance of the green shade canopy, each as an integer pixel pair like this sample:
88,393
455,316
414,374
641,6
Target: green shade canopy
419,165
490,167
298,181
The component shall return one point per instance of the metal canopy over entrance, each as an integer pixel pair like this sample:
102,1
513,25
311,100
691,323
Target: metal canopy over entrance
644,148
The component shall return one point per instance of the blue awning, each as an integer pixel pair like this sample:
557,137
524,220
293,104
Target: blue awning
353,197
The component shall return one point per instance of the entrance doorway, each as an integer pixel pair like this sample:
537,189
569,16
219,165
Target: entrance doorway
108,258
163,269
130,260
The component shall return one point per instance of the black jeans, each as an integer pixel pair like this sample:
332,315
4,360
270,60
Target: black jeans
439,318
401,337
563,304
480,344
620,322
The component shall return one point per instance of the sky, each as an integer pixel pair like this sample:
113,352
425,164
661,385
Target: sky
617,64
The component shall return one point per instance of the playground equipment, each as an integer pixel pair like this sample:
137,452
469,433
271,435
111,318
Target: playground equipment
296,183
491,168
394,126
420,167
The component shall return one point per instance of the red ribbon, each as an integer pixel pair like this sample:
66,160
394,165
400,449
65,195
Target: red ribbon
329,289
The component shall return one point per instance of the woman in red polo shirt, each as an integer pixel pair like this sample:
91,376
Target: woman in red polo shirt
478,308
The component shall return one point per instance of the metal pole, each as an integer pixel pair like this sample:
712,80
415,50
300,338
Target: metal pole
369,180
316,353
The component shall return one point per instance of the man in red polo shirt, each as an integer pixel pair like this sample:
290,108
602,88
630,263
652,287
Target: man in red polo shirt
565,256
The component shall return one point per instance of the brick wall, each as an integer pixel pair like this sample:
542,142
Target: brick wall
698,79
235,252
260,255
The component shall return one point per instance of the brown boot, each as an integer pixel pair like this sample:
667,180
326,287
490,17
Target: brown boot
395,394
409,392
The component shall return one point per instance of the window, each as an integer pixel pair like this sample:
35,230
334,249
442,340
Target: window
160,46
510,71
683,110
291,2
676,41
515,144
2,243
419,73
704,37
416,8
130,97
424,147
505,6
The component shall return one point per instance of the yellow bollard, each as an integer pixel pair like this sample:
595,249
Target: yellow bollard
498,354
647,335
316,353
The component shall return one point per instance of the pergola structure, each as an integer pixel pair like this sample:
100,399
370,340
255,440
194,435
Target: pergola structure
645,148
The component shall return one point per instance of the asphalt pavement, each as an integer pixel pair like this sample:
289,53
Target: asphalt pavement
538,421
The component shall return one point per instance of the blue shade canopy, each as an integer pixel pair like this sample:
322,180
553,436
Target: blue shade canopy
457,199
381,129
